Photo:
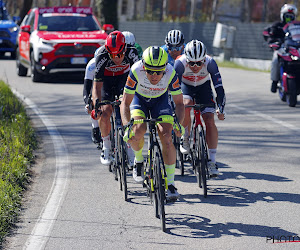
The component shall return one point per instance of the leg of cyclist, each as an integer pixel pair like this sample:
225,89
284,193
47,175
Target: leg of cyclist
212,141
104,124
169,156
184,143
137,144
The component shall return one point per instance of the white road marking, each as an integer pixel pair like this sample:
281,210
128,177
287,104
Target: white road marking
266,117
42,230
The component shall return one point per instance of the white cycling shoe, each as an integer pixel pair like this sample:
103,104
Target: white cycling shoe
105,156
212,169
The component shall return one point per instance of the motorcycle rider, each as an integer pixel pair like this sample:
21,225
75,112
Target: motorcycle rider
288,14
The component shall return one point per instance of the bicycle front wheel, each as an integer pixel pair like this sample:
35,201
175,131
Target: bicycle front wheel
123,166
202,163
159,191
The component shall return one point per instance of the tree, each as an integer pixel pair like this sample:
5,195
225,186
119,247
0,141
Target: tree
108,12
26,7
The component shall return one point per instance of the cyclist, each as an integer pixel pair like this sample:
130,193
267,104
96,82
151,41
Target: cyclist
113,63
145,93
194,69
288,14
130,40
174,45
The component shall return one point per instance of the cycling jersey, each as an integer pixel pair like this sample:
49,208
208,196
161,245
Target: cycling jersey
138,82
170,58
208,70
105,67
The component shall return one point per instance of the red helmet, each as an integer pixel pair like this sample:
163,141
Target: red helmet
115,42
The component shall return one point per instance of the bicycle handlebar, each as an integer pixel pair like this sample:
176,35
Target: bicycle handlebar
115,103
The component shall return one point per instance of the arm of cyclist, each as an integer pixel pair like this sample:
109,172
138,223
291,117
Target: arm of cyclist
213,69
128,95
176,93
88,83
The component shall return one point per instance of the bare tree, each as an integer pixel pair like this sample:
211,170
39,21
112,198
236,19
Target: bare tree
214,10
26,7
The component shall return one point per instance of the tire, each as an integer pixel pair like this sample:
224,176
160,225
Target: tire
159,190
201,166
35,75
282,94
291,97
21,70
123,176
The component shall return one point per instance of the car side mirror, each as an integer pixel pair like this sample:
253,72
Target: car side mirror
16,19
25,28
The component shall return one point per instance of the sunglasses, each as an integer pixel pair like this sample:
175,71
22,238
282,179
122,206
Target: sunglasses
113,56
192,64
174,48
152,72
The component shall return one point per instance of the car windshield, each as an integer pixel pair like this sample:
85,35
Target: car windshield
67,22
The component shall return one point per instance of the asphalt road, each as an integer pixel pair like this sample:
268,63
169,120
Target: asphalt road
74,202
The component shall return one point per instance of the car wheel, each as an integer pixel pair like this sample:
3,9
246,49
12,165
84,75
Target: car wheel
35,75
21,70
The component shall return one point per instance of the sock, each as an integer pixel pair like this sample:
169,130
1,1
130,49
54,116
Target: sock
95,123
106,142
170,169
212,154
186,132
139,155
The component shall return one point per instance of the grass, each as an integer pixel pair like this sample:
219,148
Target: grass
229,64
17,142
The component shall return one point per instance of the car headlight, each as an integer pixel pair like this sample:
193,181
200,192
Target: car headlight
48,43
13,29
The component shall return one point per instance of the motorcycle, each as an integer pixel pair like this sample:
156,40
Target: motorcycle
289,60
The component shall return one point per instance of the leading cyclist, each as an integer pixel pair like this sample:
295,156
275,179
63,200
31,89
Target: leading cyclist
194,69
113,63
145,93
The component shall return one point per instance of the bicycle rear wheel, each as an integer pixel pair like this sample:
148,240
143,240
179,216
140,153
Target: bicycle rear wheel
159,191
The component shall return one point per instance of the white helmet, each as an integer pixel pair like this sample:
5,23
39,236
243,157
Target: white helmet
129,37
195,51
174,38
288,9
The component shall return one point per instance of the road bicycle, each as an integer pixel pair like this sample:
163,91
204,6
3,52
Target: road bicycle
155,173
199,149
119,165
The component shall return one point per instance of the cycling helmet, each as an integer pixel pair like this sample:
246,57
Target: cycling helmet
174,38
286,11
155,58
115,43
195,51
129,37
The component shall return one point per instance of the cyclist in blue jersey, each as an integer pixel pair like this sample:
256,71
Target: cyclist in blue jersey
194,69
174,45
145,93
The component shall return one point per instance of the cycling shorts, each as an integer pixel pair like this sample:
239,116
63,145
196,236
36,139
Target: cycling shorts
202,94
151,107
113,86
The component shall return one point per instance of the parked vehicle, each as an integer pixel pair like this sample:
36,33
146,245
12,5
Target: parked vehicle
57,39
8,32
289,61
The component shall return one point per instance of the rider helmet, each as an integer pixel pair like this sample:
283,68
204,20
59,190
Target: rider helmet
195,51
115,43
174,38
155,58
288,13
129,38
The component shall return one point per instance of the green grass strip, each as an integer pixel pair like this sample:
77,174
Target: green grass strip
17,142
